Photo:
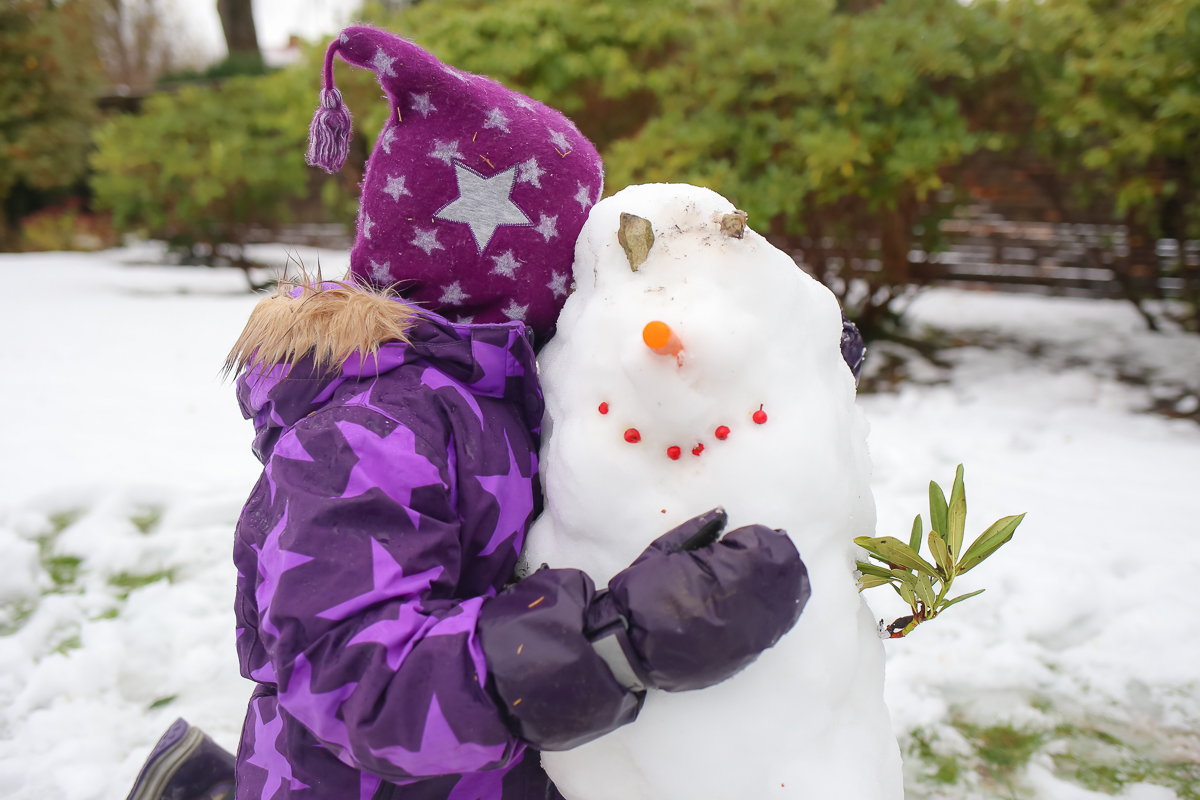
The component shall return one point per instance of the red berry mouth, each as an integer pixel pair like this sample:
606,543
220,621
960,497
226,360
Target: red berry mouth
633,436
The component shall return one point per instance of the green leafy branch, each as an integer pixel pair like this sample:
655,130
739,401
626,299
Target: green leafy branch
925,586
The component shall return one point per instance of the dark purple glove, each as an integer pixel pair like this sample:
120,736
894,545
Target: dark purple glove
854,351
570,664
698,609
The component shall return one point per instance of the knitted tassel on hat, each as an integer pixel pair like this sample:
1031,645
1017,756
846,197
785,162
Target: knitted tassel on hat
329,133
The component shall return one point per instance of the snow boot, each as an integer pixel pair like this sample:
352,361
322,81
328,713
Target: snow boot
185,765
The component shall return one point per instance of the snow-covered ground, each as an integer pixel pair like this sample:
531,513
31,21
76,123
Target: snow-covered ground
1075,675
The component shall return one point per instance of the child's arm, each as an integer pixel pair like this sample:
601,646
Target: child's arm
371,653
354,589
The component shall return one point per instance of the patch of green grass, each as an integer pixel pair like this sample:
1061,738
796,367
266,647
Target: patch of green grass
147,519
1102,756
1106,778
1101,762
63,570
941,769
1002,749
64,519
72,642
13,615
127,581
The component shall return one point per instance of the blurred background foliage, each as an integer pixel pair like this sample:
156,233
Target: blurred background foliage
49,77
204,163
846,122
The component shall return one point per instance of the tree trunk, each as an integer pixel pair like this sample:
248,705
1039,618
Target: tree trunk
237,20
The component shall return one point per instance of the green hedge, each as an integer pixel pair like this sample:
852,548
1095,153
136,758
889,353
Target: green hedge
48,78
815,121
198,163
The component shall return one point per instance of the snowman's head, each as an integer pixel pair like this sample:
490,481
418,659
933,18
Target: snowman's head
698,320
695,364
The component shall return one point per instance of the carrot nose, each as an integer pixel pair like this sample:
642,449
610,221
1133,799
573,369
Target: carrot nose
659,337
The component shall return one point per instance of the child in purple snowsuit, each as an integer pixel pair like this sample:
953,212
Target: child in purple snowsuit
393,655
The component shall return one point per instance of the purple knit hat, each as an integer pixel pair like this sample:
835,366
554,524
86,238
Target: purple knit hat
474,195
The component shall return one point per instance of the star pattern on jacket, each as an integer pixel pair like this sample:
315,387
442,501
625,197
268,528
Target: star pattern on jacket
483,204
267,756
265,673
497,119
434,379
273,562
287,447
395,187
427,240
441,752
506,265
371,472
492,381
422,104
515,510
317,710
388,582
548,227
529,172
486,784
398,636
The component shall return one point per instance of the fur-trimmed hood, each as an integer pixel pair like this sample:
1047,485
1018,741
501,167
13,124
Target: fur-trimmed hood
303,343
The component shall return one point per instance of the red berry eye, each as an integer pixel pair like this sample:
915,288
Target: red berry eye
698,449
604,408
760,416
632,436
674,453
722,433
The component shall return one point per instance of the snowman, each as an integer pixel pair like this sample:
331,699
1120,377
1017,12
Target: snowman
695,366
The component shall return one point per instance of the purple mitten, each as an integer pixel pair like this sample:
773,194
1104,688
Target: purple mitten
570,664
854,350
558,691
699,610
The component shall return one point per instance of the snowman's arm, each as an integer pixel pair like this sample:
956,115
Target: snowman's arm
370,650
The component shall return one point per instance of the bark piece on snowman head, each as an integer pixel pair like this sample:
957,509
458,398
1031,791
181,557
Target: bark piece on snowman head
636,236
734,224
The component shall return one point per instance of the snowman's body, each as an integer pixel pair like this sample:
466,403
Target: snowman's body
807,719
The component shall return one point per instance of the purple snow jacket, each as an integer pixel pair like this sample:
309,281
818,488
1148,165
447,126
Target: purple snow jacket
395,498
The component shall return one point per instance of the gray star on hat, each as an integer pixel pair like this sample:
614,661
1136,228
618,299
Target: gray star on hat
483,204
